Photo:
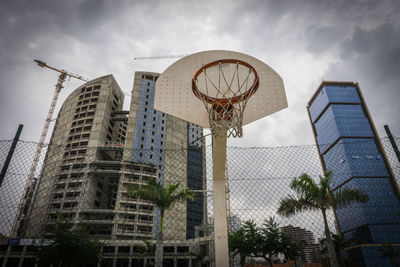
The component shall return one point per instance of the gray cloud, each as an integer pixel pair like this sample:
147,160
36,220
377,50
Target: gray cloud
372,57
304,41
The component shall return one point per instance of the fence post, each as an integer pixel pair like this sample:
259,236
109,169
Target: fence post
10,154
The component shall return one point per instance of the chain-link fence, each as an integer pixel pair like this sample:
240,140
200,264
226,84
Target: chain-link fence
90,186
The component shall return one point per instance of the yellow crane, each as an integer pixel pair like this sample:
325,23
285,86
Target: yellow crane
24,207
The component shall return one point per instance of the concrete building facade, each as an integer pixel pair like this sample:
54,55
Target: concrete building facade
309,248
84,177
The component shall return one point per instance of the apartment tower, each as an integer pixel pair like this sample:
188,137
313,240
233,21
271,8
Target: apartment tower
309,251
175,147
84,178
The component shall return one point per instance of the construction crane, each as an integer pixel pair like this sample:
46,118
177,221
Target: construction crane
161,57
24,207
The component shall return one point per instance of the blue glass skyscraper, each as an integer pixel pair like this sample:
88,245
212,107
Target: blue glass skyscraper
349,146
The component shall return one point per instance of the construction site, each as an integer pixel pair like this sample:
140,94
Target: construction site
98,152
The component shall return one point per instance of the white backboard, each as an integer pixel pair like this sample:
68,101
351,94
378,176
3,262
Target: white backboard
174,95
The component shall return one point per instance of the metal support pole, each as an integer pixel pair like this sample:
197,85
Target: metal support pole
220,221
10,153
391,139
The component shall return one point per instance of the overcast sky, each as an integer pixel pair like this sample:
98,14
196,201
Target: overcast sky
304,41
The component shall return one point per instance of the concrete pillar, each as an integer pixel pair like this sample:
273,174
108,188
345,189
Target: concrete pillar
220,223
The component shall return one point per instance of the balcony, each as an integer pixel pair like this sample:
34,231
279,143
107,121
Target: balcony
110,145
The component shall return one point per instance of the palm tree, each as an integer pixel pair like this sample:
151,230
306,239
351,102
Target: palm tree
242,242
199,256
164,197
148,250
265,241
313,196
275,241
388,251
69,247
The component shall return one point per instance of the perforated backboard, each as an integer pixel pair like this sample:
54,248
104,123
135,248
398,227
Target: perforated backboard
174,95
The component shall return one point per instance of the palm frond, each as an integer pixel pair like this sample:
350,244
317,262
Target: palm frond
347,196
164,196
304,186
292,205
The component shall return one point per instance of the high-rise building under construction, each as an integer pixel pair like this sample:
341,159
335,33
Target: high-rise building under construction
98,150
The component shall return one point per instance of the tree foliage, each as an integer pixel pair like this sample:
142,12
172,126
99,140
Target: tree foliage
264,241
66,246
310,195
199,255
163,196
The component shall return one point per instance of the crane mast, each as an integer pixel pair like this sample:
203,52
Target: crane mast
24,207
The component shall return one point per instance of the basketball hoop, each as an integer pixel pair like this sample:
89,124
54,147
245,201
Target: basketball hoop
224,89
224,81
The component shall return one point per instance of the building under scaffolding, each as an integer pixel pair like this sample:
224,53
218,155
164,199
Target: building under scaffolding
84,177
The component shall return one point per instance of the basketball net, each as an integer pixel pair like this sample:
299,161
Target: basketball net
225,86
